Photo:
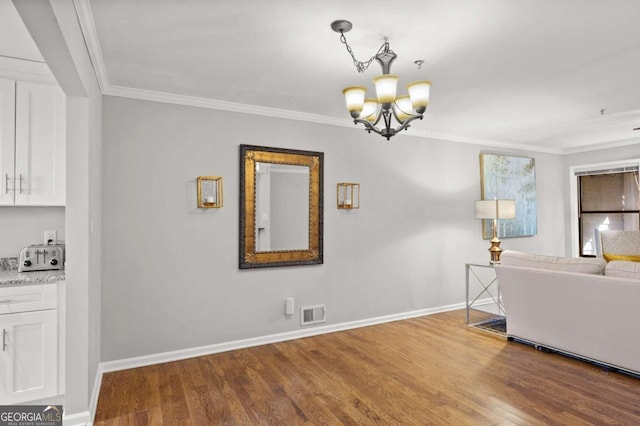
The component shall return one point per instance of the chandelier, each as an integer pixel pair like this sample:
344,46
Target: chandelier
369,111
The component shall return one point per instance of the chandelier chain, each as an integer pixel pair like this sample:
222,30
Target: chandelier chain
362,66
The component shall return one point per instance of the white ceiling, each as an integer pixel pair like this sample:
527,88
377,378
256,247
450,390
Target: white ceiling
15,40
531,73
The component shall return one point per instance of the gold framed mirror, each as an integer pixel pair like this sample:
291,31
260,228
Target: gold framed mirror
281,207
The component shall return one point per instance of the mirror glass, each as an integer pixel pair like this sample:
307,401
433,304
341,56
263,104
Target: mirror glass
280,207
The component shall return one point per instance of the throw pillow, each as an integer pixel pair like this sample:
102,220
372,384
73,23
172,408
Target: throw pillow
629,257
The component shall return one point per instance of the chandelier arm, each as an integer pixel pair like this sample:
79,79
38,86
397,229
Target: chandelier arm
409,119
388,113
368,126
393,110
388,131
405,125
378,116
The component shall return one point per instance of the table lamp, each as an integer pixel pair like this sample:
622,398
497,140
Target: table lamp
495,209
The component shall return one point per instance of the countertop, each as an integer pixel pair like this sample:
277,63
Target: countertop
9,274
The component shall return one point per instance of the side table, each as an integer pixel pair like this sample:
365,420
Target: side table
472,269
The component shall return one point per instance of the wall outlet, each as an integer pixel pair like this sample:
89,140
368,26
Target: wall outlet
50,237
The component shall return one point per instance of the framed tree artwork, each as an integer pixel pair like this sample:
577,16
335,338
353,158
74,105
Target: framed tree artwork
513,178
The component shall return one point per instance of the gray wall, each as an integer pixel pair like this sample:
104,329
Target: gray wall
21,226
170,274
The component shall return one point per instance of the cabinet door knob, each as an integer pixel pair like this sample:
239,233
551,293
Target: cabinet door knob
4,340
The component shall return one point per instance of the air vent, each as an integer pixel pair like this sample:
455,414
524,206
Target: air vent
313,314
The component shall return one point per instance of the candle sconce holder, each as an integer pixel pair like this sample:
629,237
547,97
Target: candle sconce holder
348,195
209,192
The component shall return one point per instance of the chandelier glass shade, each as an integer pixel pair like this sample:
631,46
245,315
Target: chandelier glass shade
377,114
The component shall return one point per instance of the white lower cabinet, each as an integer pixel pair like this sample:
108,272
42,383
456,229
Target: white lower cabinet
29,347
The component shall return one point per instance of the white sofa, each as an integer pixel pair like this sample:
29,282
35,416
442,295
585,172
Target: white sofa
567,305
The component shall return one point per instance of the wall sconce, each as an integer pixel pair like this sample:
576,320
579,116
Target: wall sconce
348,195
495,210
209,192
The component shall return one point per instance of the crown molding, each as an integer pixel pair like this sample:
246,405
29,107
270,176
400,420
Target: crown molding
88,28
25,70
494,144
195,101
602,145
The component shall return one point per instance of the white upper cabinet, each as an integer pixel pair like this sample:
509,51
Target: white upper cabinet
40,144
7,140
35,174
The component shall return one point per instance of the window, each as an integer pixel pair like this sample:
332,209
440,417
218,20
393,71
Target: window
607,200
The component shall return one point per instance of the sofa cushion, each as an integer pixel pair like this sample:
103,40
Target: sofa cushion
585,265
624,269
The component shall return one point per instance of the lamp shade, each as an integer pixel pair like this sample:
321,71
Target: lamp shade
495,209
354,97
386,85
369,111
403,108
419,93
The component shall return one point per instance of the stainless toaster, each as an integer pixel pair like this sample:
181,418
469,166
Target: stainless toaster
41,257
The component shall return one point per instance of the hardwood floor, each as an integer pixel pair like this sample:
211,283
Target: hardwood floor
427,370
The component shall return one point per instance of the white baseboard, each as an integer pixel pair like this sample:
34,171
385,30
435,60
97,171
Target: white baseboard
124,364
483,302
83,418
95,393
